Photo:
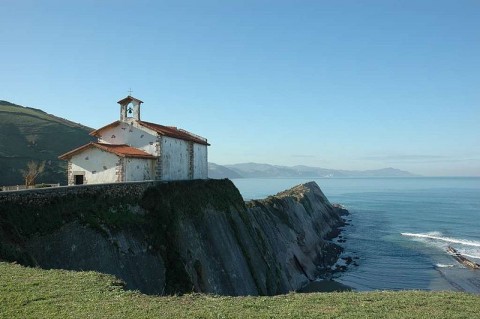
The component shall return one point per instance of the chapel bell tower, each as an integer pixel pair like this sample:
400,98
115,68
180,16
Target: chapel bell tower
129,109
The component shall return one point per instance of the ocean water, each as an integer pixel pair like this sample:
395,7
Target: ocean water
400,229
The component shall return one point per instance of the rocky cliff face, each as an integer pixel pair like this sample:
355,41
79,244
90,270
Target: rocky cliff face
295,226
175,237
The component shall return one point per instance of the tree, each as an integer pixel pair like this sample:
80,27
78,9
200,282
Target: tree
33,170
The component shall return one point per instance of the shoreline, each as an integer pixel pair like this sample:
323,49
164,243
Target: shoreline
325,282
324,285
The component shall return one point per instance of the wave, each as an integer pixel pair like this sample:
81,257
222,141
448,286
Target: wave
438,236
470,256
444,266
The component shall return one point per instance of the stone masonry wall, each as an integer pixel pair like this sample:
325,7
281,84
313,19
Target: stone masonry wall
41,196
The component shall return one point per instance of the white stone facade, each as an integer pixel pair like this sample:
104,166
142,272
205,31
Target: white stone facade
200,161
97,166
130,133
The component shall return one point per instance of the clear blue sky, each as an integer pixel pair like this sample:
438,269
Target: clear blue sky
334,84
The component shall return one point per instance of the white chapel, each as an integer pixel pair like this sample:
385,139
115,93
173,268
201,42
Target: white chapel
134,150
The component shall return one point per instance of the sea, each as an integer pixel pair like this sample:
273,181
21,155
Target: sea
399,229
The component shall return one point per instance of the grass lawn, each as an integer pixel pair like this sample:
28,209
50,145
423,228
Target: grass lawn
36,293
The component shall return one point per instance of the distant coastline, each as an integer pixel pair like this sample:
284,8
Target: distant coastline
256,170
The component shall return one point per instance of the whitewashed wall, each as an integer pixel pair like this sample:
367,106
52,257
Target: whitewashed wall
130,134
174,153
200,165
98,166
175,159
139,169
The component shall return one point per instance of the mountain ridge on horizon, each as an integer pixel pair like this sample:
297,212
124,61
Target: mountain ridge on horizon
263,170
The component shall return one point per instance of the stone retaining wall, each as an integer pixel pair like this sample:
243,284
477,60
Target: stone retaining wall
42,195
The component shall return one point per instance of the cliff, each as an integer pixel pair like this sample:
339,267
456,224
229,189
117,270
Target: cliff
163,238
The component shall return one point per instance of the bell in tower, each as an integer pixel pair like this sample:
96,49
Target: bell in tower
129,109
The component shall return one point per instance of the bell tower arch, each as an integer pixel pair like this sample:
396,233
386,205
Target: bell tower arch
129,109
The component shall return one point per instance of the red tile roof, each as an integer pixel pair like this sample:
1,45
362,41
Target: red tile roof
169,131
128,99
121,150
97,131
174,132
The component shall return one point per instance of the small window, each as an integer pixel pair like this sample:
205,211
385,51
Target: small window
78,179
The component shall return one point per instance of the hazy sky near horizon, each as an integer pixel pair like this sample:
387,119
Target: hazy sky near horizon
334,84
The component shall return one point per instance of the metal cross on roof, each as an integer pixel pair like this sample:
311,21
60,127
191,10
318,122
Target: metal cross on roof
130,91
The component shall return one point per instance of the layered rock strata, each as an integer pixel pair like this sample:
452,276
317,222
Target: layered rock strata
176,237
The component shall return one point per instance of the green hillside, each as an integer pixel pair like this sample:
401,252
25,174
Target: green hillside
36,293
30,134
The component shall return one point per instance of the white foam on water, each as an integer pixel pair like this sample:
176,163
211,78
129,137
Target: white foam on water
470,255
444,266
438,236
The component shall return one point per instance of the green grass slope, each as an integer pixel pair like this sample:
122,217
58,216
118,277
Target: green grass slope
31,134
35,293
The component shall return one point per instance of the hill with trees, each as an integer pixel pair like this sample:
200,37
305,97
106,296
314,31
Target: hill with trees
31,135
